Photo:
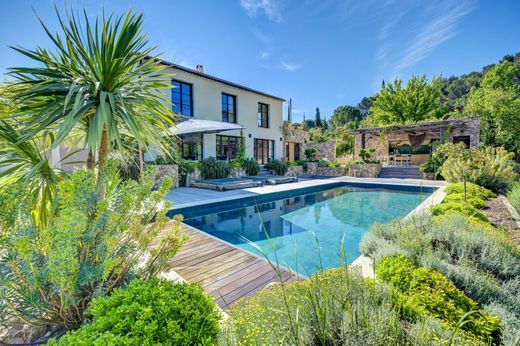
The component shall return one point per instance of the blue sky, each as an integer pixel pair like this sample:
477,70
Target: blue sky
320,53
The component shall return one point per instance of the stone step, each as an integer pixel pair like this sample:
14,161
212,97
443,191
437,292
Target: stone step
400,172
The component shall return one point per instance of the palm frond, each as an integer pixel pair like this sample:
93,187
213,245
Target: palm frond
98,76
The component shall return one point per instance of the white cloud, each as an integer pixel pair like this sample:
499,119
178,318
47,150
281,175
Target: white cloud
271,8
264,55
436,31
262,37
287,66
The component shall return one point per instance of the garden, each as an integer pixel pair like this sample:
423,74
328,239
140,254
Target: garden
84,255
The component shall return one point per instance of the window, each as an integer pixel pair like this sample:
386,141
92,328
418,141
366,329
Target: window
263,150
182,98
227,147
191,148
263,115
229,112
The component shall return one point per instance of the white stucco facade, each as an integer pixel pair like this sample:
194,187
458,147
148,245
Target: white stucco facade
206,103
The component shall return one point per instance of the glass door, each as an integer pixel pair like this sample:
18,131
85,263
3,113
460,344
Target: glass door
263,150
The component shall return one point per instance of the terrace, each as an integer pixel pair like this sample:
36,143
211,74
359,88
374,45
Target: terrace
412,145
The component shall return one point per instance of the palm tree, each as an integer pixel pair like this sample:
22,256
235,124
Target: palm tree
99,81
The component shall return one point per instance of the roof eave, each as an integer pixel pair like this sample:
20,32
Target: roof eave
216,79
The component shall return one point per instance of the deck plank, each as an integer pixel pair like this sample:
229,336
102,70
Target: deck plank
225,272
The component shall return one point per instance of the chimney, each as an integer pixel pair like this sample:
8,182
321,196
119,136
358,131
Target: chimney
199,68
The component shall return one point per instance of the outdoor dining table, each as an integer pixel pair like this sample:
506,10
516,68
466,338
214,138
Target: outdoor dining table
396,159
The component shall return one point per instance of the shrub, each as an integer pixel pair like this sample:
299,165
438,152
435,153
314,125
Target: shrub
426,292
366,154
457,208
335,307
94,242
210,168
514,195
472,190
475,202
235,164
480,259
149,313
304,165
434,163
292,163
310,154
278,167
323,163
250,166
492,168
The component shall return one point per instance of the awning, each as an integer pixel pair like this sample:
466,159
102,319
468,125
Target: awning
191,126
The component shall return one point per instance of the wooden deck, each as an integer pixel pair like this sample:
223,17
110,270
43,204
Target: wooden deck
225,272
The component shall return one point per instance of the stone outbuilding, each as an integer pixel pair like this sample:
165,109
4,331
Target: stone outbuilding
296,141
416,142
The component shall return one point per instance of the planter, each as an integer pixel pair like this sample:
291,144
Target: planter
171,171
295,171
192,177
427,176
364,170
237,172
330,171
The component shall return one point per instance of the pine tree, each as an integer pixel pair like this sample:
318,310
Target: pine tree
318,118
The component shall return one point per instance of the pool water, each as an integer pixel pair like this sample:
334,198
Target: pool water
305,232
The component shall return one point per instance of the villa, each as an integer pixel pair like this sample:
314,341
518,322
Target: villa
215,111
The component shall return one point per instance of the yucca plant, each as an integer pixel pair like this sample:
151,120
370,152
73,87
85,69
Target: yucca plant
99,80
22,163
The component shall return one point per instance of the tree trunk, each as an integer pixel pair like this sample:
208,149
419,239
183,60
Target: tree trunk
103,151
141,160
90,160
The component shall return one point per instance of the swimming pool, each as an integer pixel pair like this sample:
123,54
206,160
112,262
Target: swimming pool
303,229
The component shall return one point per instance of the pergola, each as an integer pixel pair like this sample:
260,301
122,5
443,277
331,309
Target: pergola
435,128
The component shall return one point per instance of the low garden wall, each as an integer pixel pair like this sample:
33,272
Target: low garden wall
364,170
192,177
237,172
295,171
330,171
171,171
312,168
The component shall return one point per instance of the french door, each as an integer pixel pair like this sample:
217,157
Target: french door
264,150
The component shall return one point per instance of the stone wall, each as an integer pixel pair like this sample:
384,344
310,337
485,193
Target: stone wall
296,135
324,150
171,171
312,168
295,171
237,172
364,170
330,171
192,177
